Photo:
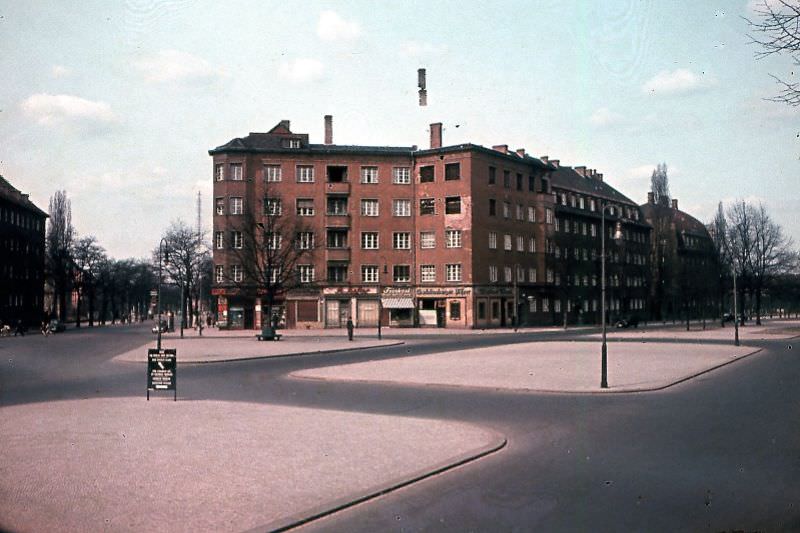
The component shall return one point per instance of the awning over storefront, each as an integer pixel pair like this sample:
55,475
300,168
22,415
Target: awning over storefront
397,303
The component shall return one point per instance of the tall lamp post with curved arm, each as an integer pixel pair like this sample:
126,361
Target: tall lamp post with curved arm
161,246
604,348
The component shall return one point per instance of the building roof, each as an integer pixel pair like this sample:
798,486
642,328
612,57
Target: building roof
568,178
684,222
513,156
13,195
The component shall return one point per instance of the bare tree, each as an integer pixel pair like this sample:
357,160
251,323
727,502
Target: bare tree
741,243
659,184
87,257
185,253
771,254
718,230
776,31
60,234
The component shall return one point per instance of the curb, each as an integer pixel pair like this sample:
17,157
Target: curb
372,493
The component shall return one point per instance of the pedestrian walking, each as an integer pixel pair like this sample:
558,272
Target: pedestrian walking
19,329
45,328
349,328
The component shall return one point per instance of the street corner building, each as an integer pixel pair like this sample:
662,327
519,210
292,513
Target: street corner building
460,236
22,257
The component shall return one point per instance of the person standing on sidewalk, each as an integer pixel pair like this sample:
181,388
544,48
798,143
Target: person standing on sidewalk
19,329
349,329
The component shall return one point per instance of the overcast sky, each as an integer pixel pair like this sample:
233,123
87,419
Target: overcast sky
118,104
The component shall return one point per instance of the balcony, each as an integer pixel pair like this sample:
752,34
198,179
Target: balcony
337,220
337,254
337,187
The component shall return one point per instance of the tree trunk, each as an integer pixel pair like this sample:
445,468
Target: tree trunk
91,307
758,306
78,310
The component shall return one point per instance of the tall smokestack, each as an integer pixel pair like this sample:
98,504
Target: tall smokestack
328,129
436,135
423,93
651,198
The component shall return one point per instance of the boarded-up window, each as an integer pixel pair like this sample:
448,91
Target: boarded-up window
307,311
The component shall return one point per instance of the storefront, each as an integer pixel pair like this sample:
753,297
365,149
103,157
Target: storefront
494,306
398,303
444,307
357,303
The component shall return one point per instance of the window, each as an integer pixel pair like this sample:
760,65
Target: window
401,273
369,207
219,240
427,273
563,198
305,207
452,238
558,224
401,175
272,206
272,173
220,206
305,174
532,275
506,210
492,273
237,205
369,240
237,241
337,273
236,171
452,171
581,202
507,179
453,272
520,273
337,205
593,230
571,200
549,276
337,174
401,240
273,240
557,306
219,273
531,214
426,174
532,304
274,274
294,143
532,245
592,205
369,273
492,175
455,310
532,183
520,243
566,226
337,238
507,242
507,274
519,181
305,240
236,272
427,239
545,305
492,207
452,205
548,216
427,206
520,212
369,174
306,273
401,208
492,240
219,172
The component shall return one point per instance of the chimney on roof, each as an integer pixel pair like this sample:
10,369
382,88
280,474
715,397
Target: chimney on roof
328,129
501,148
555,162
598,176
423,93
285,124
544,159
521,152
651,198
581,170
436,135
675,204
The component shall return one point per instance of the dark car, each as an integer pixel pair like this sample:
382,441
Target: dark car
627,322
163,327
56,326
727,317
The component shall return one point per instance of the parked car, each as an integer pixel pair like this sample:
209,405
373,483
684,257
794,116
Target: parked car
162,326
56,326
727,317
627,322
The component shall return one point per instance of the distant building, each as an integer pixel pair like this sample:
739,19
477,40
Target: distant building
457,236
22,249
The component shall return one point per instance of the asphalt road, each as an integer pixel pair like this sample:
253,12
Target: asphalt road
718,453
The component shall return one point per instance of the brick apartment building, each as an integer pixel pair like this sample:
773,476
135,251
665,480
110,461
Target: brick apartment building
452,236
22,227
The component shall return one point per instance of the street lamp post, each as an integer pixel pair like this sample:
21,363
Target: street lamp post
604,348
158,324
516,298
735,310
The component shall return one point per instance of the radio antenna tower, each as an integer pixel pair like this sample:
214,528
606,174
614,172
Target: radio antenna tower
199,216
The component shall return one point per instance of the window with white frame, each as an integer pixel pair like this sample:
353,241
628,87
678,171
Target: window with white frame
520,212
369,240
401,273
219,273
220,206
236,272
452,238
236,172
531,214
566,226
558,224
305,207
427,239
507,242
549,276
545,305
453,272
272,206
401,175
506,210
294,143
401,240
369,207
272,173
557,306
532,245
305,174
369,273
305,240
520,243
548,216
369,174
219,172
306,273
507,274
492,240
532,307
532,278
219,240
272,240
520,273
492,273
427,273
274,274
581,203
593,230
237,241
401,208
237,205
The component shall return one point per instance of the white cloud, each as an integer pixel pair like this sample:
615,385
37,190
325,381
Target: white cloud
421,49
60,71
605,117
64,108
174,66
678,81
301,70
332,27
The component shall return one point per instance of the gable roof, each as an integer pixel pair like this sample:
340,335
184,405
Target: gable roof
568,178
13,195
684,222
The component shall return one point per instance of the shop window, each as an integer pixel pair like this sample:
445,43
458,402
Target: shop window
481,310
455,310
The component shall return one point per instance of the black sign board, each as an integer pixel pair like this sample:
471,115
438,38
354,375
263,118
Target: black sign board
162,366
